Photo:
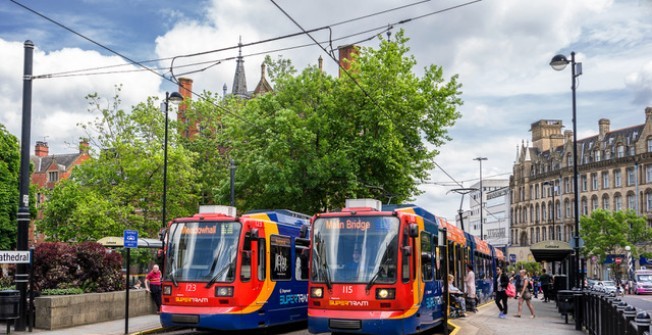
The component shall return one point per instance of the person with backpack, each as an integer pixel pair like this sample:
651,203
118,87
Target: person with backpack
545,280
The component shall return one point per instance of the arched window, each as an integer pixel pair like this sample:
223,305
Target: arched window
543,234
618,202
585,206
605,202
649,144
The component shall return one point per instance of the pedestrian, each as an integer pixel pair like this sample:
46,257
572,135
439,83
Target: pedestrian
525,295
469,287
545,280
535,284
153,285
516,279
500,283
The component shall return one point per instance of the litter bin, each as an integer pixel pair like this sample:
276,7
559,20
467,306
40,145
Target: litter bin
565,302
9,300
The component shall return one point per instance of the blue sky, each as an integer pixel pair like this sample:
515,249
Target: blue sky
499,48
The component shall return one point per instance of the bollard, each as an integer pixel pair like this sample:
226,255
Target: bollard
620,326
612,316
642,322
630,314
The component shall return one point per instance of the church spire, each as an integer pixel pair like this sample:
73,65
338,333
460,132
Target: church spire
239,80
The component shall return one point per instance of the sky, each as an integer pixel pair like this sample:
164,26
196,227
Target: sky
500,49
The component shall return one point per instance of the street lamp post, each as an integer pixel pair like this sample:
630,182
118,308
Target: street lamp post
559,63
173,97
553,188
480,159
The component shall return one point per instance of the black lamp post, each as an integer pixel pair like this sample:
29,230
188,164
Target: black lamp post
175,98
552,187
480,159
559,63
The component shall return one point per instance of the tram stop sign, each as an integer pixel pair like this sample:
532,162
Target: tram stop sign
131,239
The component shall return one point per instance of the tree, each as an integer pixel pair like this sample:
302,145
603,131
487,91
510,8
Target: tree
605,232
9,193
317,140
121,187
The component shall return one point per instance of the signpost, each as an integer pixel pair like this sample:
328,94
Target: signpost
130,241
15,257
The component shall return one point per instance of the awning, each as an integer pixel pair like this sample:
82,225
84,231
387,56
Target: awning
550,250
118,242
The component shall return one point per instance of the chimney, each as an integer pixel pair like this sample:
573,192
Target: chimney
320,61
568,136
346,54
41,149
185,87
603,124
83,146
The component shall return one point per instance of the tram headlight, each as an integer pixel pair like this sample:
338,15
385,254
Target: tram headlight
167,290
385,293
316,292
224,291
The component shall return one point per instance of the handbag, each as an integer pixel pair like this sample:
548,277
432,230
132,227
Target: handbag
510,290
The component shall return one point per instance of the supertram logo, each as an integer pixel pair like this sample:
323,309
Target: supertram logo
347,303
187,300
291,299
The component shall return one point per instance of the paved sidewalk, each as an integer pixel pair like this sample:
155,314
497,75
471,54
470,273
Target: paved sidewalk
137,325
486,322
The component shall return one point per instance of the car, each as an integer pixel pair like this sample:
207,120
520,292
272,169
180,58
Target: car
590,283
609,286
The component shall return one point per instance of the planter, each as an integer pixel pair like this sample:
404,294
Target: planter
56,312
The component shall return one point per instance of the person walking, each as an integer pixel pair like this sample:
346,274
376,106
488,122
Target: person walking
469,287
525,295
153,285
500,283
545,280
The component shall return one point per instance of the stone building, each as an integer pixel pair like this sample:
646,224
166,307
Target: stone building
614,169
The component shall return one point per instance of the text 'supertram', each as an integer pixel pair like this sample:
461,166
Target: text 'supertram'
381,270
226,272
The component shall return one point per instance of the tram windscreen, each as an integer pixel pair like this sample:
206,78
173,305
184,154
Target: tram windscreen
355,249
202,251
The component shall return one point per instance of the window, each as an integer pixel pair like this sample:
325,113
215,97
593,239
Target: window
597,155
280,256
567,185
605,203
594,182
583,179
536,191
261,259
301,253
405,274
53,176
538,238
607,154
617,179
630,176
632,151
605,179
620,151
618,203
568,209
427,257
649,144
585,207
569,159
648,200
631,201
559,233
648,173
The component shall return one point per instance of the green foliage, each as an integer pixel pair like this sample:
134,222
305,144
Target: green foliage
606,232
318,140
122,187
9,193
62,291
532,268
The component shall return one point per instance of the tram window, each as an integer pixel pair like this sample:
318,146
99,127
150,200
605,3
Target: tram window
245,269
261,259
427,269
280,256
301,263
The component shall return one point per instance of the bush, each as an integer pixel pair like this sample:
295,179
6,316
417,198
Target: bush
87,266
62,291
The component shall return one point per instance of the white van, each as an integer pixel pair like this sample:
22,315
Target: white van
642,281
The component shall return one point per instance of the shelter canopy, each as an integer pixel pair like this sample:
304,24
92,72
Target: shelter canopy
551,250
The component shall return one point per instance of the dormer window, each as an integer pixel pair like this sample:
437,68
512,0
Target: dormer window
620,151
53,176
596,154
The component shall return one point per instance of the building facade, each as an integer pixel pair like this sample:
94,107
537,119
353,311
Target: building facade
495,201
614,170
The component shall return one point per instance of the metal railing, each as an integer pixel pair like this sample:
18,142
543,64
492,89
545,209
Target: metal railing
600,313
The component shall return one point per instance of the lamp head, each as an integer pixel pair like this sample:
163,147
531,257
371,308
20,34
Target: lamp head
175,97
559,62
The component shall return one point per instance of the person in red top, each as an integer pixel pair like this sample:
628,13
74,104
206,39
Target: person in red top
153,285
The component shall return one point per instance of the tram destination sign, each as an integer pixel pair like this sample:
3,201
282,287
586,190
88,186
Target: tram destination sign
14,257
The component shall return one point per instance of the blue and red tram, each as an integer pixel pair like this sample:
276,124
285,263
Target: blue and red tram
381,269
227,272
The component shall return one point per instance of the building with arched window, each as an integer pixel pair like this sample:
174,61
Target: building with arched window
614,171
